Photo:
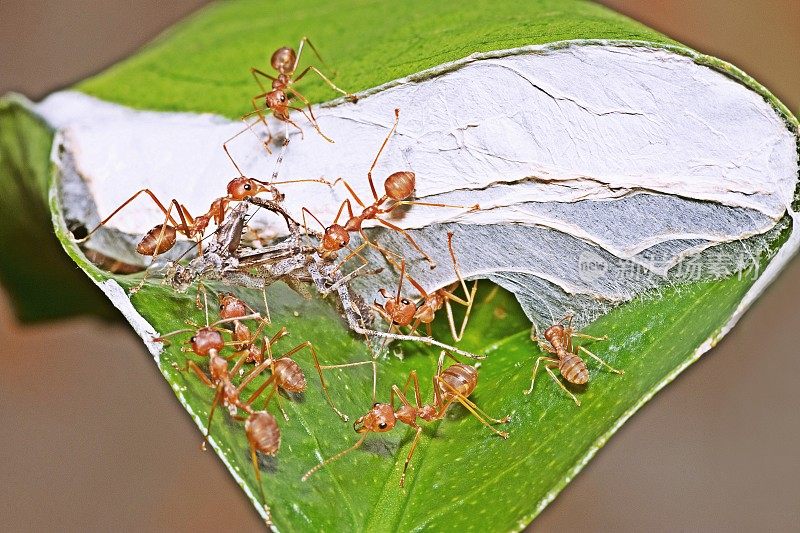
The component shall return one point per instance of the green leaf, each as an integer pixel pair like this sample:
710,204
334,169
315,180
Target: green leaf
42,282
462,476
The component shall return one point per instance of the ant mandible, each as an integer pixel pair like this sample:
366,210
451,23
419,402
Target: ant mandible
277,100
400,311
454,384
398,187
567,361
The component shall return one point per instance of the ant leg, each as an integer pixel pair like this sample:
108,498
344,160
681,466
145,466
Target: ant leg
217,398
305,40
470,296
254,458
126,202
307,344
303,212
352,193
558,382
290,121
464,398
472,408
191,365
410,454
228,153
260,389
311,120
410,239
332,85
260,111
536,369
412,378
276,393
310,114
593,356
397,204
387,254
451,321
255,72
335,457
354,253
268,318
380,150
483,413
238,364
584,336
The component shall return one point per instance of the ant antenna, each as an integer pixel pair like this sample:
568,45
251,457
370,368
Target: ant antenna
335,457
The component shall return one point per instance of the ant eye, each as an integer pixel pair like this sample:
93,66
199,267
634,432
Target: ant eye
382,425
247,186
376,404
221,307
283,98
193,340
404,301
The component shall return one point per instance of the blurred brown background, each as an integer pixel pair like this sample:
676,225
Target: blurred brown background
92,438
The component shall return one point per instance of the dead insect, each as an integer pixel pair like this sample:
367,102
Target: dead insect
558,339
453,384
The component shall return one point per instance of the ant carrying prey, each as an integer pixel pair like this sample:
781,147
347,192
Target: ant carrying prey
573,369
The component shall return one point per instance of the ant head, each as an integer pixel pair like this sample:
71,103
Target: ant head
241,188
553,332
276,99
263,432
158,240
231,307
205,340
335,238
283,60
379,419
400,185
401,310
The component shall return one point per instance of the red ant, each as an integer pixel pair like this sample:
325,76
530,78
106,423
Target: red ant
398,187
261,429
454,384
231,307
277,100
400,312
286,374
163,237
567,361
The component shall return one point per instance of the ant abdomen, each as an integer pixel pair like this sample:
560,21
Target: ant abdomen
573,369
283,59
289,375
263,432
158,240
400,185
459,378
